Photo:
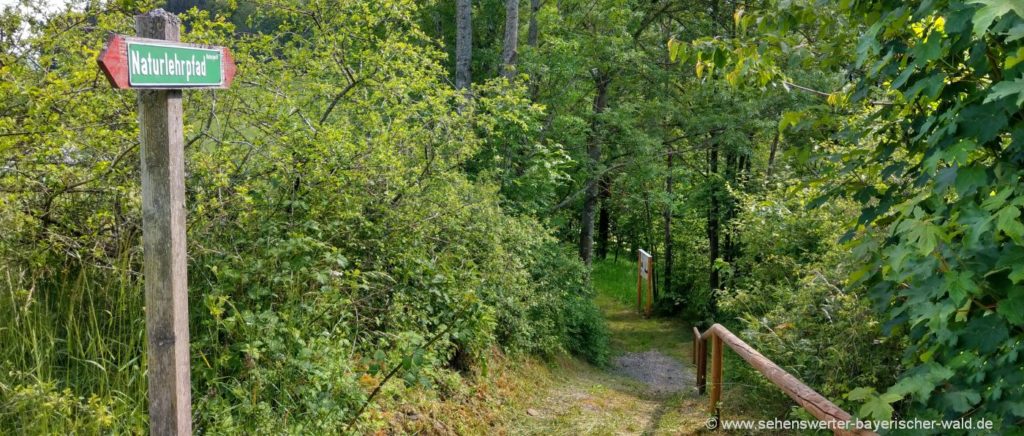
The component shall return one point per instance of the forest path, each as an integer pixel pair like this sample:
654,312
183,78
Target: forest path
647,389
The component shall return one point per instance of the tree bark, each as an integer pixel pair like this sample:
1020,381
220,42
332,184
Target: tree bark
533,34
601,81
713,221
649,224
667,218
532,39
510,51
771,154
463,42
604,218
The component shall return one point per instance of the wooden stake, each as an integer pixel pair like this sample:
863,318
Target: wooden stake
716,372
702,363
163,236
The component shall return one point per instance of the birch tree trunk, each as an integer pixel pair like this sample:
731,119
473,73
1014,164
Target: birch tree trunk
463,42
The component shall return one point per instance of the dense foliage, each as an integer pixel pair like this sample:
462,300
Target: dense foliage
835,180
333,233
922,133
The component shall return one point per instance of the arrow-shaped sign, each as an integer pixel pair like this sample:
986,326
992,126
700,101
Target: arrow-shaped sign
130,62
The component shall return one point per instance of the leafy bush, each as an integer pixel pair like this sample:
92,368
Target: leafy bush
789,297
333,235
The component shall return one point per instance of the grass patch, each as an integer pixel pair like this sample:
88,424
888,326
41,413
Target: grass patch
616,280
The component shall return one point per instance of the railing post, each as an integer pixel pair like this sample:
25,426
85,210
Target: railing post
693,349
702,365
716,371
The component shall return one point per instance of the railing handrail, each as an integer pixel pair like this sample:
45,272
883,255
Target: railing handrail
808,398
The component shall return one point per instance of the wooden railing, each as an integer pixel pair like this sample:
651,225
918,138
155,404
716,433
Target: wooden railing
813,402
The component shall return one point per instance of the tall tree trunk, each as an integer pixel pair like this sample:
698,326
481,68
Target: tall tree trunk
532,35
532,39
463,42
604,218
713,222
771,154
511,48
651,247
601,81
667,218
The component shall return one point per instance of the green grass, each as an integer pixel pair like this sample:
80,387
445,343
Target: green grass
615,280
71,351
615,283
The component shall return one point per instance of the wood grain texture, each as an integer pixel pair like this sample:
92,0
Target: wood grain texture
165,264
716,372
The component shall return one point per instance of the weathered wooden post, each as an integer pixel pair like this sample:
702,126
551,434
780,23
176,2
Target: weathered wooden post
163,244
702,362
693,348
716,371
159,66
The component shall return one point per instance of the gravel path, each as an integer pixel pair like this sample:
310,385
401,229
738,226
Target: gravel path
661,373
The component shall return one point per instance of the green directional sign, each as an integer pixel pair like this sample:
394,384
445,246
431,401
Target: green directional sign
164,65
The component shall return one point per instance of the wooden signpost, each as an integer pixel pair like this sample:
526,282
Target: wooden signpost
644,282
159,66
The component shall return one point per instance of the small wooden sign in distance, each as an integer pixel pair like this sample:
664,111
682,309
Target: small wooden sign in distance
141,63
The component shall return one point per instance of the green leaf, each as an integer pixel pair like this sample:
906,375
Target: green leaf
960,285
1012,258
961,401
1005,89
930,50
922,381
1012,308
969,179
861,393
1013,59
984,333
922,234
1007,221
991,10
876,408
789,119
1016,32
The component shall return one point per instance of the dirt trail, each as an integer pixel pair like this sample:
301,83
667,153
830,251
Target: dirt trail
662,374
648,388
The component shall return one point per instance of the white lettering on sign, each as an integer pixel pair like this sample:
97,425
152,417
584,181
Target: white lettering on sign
167,66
